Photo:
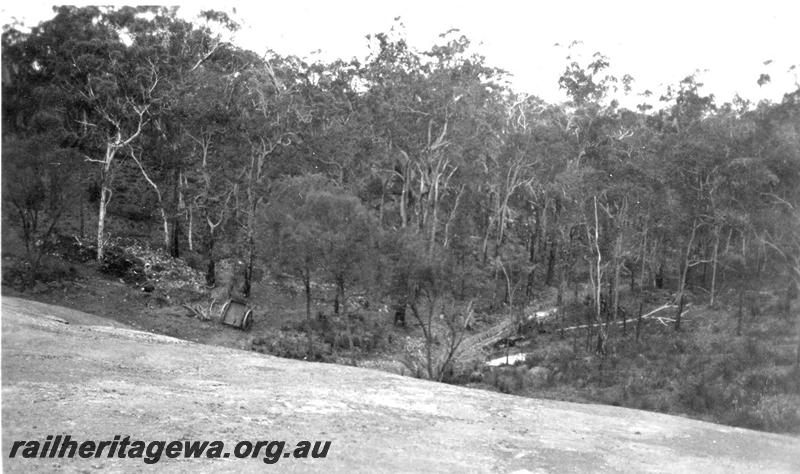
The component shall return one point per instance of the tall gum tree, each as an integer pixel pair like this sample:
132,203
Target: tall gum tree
112,69
271,119
426,104
207,112
118,89
694,164
184,53
592,120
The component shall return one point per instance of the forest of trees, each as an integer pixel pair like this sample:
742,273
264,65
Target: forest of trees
417,177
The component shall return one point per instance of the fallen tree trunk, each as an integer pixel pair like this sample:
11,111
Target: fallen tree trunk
646,316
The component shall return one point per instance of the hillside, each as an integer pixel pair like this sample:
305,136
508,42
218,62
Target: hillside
68,372
409,210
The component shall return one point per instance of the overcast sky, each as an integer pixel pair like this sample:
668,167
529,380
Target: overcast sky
658,43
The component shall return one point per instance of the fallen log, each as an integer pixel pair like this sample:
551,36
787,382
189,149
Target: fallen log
646,316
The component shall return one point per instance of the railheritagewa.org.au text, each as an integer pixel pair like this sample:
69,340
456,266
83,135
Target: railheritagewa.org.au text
151,452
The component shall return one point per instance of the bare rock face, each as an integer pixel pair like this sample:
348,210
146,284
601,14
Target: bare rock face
66,372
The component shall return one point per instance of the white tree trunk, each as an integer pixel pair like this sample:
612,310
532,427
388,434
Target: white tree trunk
644,261
105,196
682,283
191,225
166,228
714,256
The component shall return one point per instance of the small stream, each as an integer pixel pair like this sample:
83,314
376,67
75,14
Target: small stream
545,315
510,360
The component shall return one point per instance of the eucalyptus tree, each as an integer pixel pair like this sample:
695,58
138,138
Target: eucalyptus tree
317,231
517,158
112,69
210,116
293,235
41,182
336,132
429,109
42,168
509,164
186,54
111,86
272,116
778,127
695,164
595,129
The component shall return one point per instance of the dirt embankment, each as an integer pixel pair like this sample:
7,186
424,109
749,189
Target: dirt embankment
67,372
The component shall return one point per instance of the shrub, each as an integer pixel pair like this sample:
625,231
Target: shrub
289,344
765,381
750,352
780,413
634,387
560,358
699,394
507,379
119,264
195,261
55,269
792,379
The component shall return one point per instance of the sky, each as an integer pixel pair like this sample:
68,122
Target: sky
657,42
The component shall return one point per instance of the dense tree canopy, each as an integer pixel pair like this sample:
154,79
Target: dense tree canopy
313,169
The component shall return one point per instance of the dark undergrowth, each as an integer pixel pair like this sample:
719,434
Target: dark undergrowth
706,371
712,369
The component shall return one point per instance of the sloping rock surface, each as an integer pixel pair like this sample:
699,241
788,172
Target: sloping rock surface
67,372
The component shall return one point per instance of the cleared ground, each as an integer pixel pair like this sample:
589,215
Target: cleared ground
67,372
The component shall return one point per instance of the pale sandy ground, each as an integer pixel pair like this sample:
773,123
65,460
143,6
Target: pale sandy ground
93,378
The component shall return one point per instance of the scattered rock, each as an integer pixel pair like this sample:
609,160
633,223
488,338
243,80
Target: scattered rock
118,263
58,320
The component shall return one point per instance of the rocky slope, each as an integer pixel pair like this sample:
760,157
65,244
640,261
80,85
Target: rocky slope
67,372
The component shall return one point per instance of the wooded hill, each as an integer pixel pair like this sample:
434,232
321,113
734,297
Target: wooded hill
418,178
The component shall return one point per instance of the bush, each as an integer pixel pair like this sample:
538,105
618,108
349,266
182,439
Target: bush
700,394
290,345
73,249
765,381
508,379
50,270
132,212
635,386
55,269
792,379
366,335
195,261
119,264
40,183
559,358
779,413
469,372
750,352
